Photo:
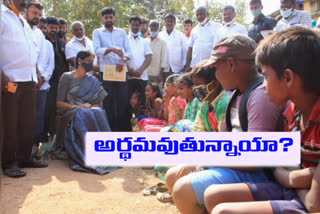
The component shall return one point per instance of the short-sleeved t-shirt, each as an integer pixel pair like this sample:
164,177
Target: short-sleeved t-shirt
310,137
263,115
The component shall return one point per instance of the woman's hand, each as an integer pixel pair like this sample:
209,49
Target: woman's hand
96,106
87,106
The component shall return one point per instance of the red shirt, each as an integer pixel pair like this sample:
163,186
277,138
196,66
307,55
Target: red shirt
310,137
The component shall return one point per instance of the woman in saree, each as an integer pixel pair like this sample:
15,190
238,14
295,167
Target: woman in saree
79,107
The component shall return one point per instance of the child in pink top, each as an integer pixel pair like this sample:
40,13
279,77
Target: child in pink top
172,110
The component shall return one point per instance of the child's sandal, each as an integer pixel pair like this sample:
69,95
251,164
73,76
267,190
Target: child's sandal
160,187
164,197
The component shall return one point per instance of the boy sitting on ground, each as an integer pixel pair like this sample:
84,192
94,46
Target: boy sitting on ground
290,62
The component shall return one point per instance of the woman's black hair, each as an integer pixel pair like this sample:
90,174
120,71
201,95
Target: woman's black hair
186,79
82,55
172,78
156,89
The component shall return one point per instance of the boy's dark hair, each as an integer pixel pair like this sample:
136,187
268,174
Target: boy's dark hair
51,20
135,18
172,78
144,21
62,21
156,89
44,20
186,79
170,16
188,21
82,55
108,10
35,4
296,48
255,2
229,7
208,73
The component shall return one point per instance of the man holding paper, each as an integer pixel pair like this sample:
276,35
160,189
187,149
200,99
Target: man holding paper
112,45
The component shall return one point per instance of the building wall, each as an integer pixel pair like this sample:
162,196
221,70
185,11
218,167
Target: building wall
307,5
313,7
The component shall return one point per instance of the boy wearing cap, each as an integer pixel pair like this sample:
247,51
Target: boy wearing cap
233,58
294,78
236,69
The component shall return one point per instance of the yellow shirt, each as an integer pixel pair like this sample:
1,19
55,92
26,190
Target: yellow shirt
159,56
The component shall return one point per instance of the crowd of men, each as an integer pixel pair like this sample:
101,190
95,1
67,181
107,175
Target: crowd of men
35,52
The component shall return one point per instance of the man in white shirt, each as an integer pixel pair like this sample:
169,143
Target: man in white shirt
159,55
45,63
113,46
230,27
176,44
291,16
18,80
141,59
78,43
202,39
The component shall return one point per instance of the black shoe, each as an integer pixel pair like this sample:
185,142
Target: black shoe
33,164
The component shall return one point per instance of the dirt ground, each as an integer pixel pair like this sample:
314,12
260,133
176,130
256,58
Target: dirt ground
57,189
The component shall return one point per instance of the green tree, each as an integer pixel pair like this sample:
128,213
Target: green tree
157,9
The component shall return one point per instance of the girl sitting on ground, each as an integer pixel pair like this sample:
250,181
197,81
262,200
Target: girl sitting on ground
175,105
172,108
185,90
154,101
136,107
214,100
